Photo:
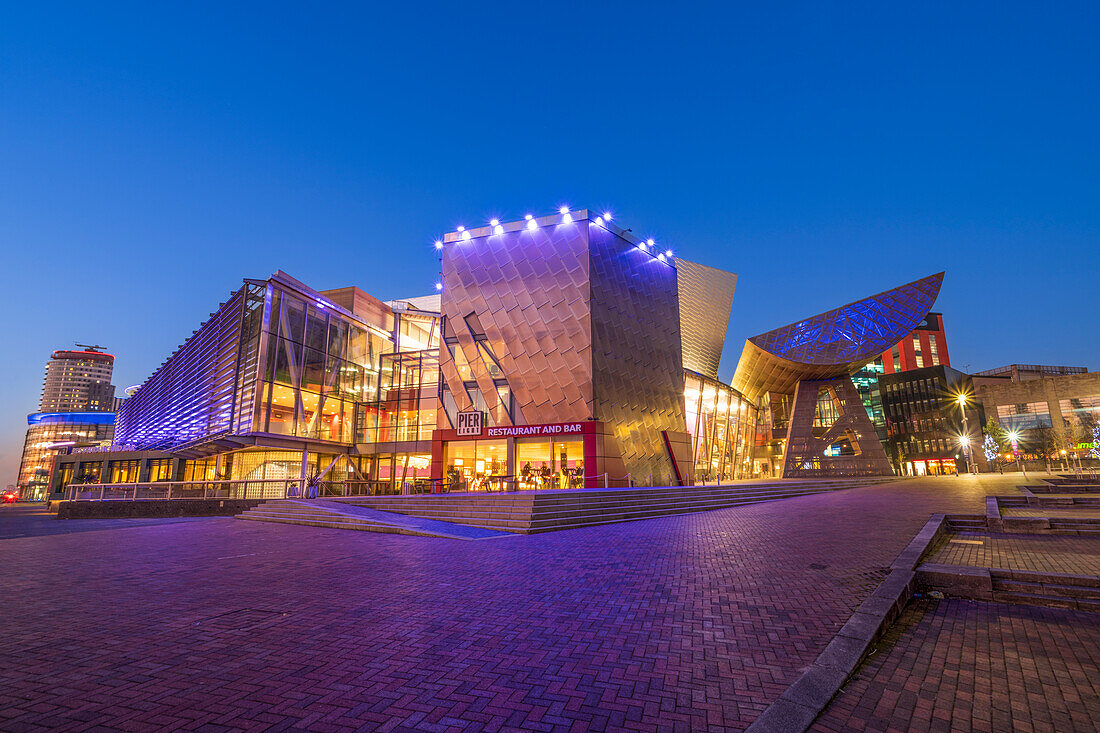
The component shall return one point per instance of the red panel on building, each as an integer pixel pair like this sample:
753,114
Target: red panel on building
925,346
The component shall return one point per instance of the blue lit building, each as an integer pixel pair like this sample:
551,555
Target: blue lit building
52,433
814,421
560,351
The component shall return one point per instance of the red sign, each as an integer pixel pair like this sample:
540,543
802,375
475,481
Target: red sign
522,431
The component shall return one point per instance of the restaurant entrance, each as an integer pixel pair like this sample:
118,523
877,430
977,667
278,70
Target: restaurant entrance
517,457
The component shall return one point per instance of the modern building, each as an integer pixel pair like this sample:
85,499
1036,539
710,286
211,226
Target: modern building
812,419
563,359
926,430
78,381
562,347
1025,372
1048,414
76,408
560,351
52,433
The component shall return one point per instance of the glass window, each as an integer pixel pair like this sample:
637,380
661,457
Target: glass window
124,472
470,465
281,420
316,329
489,361
293,319
545,464
461,365
160,469
313,370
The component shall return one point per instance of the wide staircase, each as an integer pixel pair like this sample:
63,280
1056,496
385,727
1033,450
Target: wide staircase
530,512
338,515
1046,589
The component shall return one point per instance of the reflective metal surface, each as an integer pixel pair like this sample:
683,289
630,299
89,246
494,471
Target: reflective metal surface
706,298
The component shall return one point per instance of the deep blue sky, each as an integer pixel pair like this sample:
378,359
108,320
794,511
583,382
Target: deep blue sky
153,155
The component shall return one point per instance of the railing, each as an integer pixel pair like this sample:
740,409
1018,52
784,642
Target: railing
297,489
242,489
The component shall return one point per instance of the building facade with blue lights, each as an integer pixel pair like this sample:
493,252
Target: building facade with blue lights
50,434
558,352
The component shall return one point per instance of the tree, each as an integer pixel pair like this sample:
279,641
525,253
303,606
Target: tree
1070,435
994,442
1048,440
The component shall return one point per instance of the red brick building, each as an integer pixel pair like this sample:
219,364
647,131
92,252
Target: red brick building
925,346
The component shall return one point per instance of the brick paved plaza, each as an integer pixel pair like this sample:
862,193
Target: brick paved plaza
690,622
986,667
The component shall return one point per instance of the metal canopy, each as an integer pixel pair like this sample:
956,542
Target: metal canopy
833,343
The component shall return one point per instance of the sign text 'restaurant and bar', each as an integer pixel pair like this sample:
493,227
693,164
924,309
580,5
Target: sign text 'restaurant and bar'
517,431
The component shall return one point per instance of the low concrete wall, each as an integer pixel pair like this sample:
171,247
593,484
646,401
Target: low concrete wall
154,508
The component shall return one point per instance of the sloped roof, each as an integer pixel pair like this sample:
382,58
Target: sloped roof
836,342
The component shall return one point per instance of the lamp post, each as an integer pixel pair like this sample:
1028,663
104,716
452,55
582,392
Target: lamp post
1014,436
964,440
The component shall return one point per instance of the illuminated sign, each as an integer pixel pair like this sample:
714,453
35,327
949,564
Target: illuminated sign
524,430
468,423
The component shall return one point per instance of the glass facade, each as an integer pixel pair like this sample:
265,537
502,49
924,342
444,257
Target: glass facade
319,365
50,433
408,399
866,381
722,425
1083,411
472,465
923,419
1024,416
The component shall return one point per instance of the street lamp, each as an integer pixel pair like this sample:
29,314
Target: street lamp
1014,436
964,440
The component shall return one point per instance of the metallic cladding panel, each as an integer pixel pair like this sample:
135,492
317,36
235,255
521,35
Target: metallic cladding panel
833,343
191,395
706,299
858,331
637,363
585,326
805,452
530,292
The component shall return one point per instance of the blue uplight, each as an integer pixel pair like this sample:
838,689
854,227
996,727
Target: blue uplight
83,418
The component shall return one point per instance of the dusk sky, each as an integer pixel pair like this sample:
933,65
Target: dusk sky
152,156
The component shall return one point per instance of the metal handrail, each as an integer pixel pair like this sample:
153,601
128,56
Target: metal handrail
212,489
299,489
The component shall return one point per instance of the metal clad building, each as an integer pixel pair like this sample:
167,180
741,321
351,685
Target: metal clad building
706,300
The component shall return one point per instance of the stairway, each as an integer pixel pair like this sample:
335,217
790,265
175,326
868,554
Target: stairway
967,522
1080,592
530,512
1075,525
334,515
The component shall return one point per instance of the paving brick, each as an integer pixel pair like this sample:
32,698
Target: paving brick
957,665
690,622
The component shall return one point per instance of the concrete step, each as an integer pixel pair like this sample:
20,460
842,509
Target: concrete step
588,495
1034,599
524,513
1045,589
540,521
587,498
562,510
338,524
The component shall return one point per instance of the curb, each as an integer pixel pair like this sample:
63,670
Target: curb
801,703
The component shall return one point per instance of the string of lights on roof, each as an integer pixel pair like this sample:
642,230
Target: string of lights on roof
531,224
